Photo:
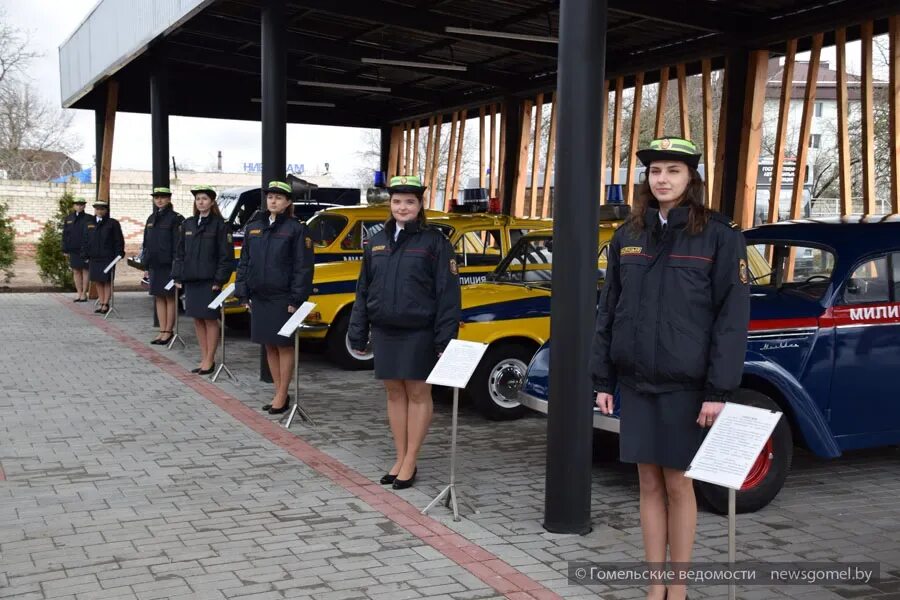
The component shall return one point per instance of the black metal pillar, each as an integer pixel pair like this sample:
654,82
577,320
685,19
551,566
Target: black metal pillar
159,124
581,70
512,112
99,123
736,93
274,111
385,149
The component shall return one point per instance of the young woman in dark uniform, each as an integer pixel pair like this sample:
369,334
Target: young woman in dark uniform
408,292
103,242
275,274
204,261
72,238
160,235
671,332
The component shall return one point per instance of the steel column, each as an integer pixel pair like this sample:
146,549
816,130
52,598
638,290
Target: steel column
512,112
736,82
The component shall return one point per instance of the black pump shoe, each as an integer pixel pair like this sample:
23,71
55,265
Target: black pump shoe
283,409
388,479
266,407
207,371
402,484
197,370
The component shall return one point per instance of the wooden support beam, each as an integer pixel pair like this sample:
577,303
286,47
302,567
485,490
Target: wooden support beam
435,160
481,149
718,183
617,132
518,209
429,142
894,110
415,151
683,102
394,153
784,111
548,168
661,100
461,138
109,128
401,162
843,123
809,97
451,154
500,175
708,150
493,178
868,119
751,134
634,138
604,134
536,153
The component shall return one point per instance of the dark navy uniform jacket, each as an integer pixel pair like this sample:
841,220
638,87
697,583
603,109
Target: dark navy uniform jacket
102,241
203,252
410,283
73,232
276,260
674,310
160,237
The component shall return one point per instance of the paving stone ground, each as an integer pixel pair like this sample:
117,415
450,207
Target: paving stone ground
126,477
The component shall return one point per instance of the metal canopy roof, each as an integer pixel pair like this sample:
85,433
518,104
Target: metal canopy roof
212,51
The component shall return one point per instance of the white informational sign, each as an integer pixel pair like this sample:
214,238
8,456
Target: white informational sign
112,264
455,366
294,322
170,285
218,300
732,445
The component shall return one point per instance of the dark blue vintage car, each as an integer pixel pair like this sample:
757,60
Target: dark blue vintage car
824,345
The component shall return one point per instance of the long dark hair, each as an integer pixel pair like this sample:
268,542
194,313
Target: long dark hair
213,208
693,198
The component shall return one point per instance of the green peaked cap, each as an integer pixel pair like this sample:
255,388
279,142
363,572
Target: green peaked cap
161,191
670,148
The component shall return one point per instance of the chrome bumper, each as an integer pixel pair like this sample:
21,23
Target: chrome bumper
309,328
601,421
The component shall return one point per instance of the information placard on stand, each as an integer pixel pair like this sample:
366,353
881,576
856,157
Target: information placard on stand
176,337
112,288
218,300
727,454
219,303
454,369
112,264
290,328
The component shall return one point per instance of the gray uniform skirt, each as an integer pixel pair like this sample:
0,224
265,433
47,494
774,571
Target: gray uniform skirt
660,429
267,317
159,277
403,353
197,296
95,270
76,261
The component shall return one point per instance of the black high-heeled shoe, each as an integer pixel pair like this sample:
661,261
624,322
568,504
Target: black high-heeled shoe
266,407
402,484
388,479
197,370
207,371
283,409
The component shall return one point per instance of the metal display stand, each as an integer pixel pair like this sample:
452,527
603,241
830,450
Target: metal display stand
222,366
297,409
449,494
732,542
176,337
112,295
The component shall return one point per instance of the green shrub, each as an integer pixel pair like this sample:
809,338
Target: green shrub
53,264
7,245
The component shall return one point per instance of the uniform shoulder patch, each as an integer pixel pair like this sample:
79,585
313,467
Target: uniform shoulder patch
188,233
717,216
743,273
255,232
377,248
308,242
631,250
453,267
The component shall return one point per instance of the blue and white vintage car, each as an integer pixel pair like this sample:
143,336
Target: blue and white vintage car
824,345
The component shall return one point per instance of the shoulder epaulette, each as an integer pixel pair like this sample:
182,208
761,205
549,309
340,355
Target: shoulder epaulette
723,219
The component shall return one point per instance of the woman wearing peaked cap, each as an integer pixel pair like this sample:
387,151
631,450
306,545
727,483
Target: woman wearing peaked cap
103,242
408,294
204,261
275,274
671,333
72,238
160,235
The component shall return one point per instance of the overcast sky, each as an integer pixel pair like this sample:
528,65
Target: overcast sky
192,141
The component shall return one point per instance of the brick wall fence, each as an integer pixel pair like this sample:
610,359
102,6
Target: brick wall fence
33,203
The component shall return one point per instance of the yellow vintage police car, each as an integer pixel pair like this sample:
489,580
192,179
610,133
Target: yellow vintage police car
511,313
338,234
481,241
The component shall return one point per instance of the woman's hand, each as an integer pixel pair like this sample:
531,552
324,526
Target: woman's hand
358,352
291,309
216,288
146,274
178,286
708,413
605,403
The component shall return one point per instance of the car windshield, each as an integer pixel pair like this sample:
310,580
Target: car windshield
530,261
325,228
789,266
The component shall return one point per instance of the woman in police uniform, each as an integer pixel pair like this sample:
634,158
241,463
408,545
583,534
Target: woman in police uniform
671,332
408,293
275,275
204,261
72,238
160,235
103,242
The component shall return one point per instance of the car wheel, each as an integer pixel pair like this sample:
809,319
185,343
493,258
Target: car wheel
496,381
337,347
768,474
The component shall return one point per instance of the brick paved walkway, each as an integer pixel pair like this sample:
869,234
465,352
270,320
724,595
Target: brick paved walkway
127,477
